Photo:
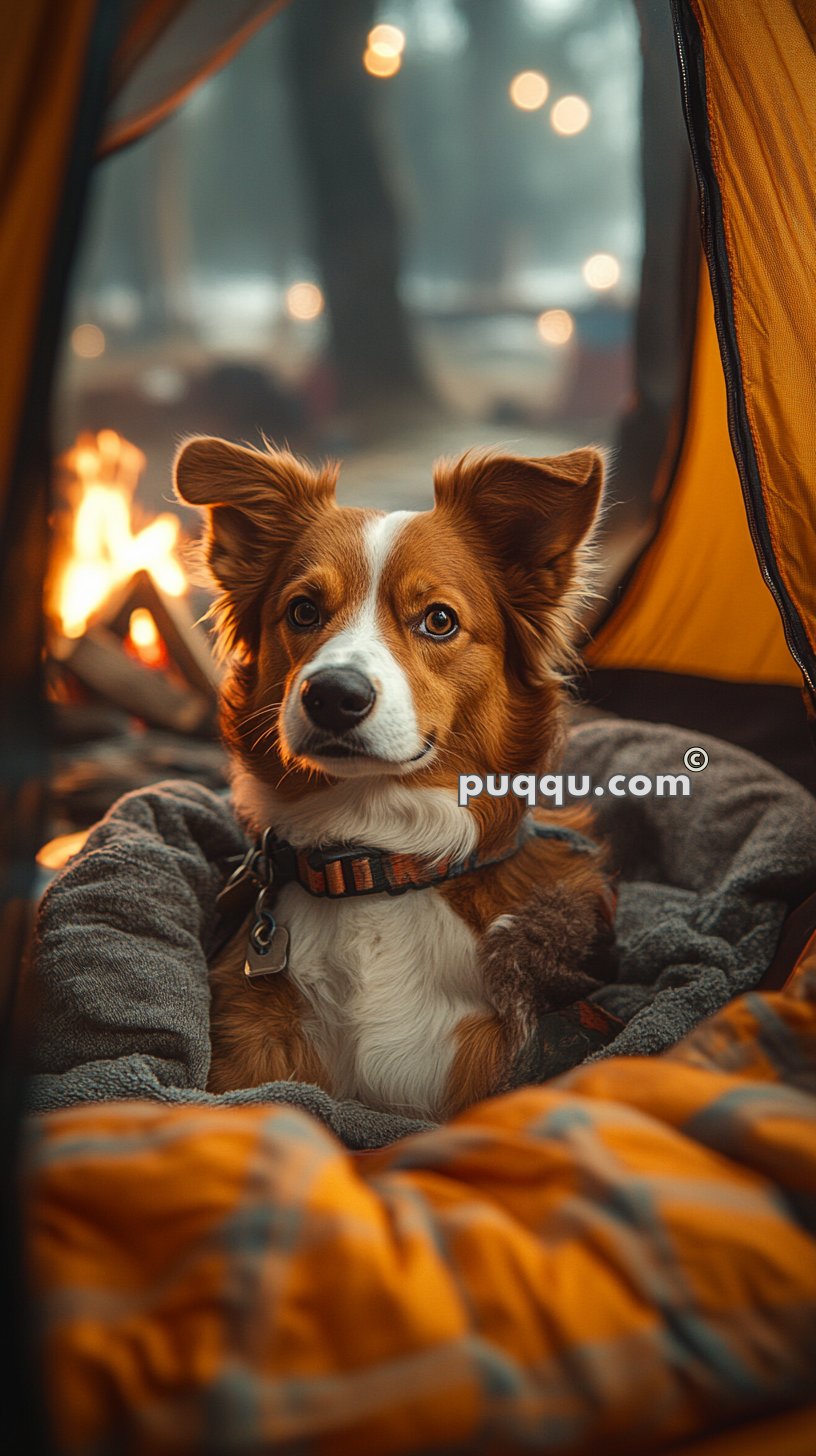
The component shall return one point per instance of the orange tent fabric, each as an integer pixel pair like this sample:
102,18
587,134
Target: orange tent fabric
760,79
697,603
726,590
42,60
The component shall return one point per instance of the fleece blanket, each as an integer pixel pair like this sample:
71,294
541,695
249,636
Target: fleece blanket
622,1260
124,932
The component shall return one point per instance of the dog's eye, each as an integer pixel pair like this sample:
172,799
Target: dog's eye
439,621
302,614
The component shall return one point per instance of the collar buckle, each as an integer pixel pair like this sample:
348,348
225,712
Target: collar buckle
277,859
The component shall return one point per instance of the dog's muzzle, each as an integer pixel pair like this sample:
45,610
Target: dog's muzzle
337,699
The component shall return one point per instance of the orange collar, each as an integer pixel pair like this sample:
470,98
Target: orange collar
346,871
342,872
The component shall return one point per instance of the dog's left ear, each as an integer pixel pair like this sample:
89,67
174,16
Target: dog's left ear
530,517
255,504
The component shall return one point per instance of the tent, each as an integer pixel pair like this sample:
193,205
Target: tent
714,625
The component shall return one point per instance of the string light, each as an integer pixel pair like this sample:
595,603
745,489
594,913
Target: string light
304,302
381,66
529,90
383,54
570,115
88,341
601,271
386,40
556,326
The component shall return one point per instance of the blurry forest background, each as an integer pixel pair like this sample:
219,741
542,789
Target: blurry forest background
385,231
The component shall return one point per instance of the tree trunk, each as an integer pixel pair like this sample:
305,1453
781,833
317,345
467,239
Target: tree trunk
355,218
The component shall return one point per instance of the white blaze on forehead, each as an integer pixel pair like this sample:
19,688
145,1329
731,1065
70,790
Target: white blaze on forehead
380,536
391,731
362,635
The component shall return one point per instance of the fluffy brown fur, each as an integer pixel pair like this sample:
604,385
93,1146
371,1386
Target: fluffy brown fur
257,1030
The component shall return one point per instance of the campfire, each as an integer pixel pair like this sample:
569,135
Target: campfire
117,595
129,669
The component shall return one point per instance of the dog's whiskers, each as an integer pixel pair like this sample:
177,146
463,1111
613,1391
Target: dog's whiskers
259,712
270,732
284,776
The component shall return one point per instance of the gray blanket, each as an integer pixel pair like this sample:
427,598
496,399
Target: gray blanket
124,932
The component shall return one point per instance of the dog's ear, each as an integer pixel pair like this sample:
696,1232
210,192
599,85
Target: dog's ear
531,518
256,503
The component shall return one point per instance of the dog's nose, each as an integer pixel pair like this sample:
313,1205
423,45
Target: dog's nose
337,698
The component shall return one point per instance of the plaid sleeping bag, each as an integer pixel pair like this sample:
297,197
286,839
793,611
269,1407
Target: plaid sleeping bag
618,1261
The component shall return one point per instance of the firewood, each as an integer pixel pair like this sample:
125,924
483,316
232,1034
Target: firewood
186,642
99,661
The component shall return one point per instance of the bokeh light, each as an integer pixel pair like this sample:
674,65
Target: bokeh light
386,40
570,115
529,90
383,55
556,326
380,65
601,271
304,301
88,341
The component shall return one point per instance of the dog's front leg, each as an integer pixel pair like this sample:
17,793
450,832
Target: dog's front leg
557,949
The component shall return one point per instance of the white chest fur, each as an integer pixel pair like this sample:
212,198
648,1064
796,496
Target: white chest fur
387,980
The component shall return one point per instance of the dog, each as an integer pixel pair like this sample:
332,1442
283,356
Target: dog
373,658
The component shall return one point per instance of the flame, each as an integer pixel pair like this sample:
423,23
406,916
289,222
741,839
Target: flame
144,639
102,548
143,630
57,852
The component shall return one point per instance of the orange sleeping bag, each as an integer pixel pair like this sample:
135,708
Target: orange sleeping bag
618,1261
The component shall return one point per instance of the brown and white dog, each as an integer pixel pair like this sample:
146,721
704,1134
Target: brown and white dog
373,659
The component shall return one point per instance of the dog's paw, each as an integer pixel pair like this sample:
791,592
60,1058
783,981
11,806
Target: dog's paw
556,950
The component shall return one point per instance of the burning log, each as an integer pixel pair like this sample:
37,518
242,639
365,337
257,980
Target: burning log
130,674
98,660
96,548
187,646
117,597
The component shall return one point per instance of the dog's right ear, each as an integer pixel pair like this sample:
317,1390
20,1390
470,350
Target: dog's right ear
256,502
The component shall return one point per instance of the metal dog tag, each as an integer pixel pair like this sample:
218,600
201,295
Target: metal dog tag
268,958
